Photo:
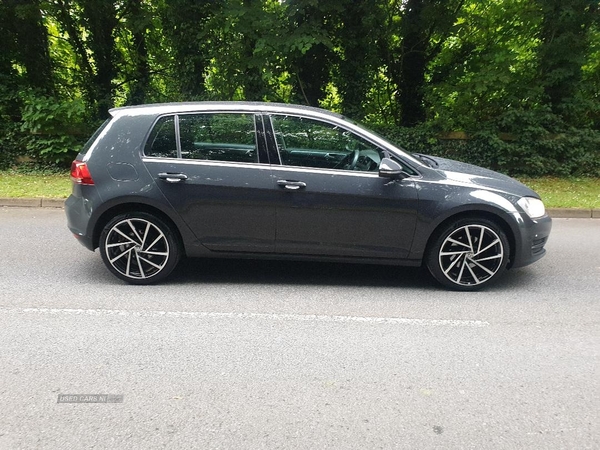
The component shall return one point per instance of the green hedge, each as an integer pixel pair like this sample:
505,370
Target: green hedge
574,152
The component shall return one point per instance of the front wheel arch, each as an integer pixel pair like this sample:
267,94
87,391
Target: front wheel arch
499,221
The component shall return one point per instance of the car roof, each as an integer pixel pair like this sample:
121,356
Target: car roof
182,107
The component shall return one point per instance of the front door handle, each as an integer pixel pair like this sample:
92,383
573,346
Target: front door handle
291,185
172,177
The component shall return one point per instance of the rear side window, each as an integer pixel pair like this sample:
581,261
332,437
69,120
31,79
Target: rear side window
210,137
218,137
162,142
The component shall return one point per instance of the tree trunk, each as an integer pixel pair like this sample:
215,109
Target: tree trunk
565,41
32,44
414,62
141,70
358,34
254,85
101,20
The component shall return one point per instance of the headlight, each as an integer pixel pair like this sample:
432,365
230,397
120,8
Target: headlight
532,206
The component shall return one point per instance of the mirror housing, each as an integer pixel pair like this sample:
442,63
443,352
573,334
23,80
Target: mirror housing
388,168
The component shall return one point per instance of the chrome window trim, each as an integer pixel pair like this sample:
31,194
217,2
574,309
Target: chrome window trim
302,169
321,170
205,162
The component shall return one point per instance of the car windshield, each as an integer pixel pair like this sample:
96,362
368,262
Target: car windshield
416,156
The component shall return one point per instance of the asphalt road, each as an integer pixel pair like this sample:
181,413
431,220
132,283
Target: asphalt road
239,354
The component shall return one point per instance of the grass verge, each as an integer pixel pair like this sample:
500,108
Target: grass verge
556,192
567,192
47,185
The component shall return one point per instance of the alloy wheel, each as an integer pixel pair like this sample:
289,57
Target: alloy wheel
136,248
471,255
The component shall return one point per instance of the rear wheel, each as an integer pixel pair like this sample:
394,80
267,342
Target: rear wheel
468,254
139,248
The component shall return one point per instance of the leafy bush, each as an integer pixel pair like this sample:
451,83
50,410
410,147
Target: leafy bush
10,136
421,139
9,143
53,129
528,149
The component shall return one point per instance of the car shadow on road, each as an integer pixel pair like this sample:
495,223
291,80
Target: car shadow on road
200,271
299,273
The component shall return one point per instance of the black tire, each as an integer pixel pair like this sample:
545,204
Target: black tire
468,254
139,248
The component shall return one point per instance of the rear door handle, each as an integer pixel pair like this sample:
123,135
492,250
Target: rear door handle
291,185
172,177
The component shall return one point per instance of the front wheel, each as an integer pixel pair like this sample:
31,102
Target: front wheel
468,254
139,248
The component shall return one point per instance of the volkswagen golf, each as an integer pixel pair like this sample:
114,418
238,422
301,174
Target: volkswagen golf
156,183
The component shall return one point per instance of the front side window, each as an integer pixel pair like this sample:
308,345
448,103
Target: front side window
218,137
312,143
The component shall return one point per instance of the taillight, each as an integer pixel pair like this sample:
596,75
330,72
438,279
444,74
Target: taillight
80,173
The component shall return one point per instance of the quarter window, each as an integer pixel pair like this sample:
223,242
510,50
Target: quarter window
311,143
162,143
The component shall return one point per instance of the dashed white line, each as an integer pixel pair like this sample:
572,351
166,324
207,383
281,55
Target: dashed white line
259,316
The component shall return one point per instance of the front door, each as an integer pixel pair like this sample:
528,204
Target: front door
331,200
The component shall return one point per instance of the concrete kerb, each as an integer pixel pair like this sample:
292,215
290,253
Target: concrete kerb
22,202
572,213
557,213
53,203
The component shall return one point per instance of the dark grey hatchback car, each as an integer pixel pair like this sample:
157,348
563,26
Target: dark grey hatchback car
262,180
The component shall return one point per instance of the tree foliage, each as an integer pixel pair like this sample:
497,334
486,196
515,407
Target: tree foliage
524,69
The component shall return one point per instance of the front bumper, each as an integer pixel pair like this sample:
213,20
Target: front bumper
531,240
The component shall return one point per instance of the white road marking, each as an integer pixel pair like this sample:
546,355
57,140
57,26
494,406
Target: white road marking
265,316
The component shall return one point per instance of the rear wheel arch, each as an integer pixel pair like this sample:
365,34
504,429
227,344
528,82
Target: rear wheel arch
131,207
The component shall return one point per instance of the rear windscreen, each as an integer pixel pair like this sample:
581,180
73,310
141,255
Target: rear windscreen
91,140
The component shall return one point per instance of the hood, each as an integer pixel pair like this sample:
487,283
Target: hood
460,172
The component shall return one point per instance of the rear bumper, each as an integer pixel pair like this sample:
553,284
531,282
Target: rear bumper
532,240
78,211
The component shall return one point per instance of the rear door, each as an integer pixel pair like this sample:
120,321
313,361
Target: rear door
213,169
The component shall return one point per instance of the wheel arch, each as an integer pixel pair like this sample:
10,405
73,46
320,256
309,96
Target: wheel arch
494,217
135,206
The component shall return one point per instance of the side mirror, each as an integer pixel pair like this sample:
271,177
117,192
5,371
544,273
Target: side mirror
389,168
